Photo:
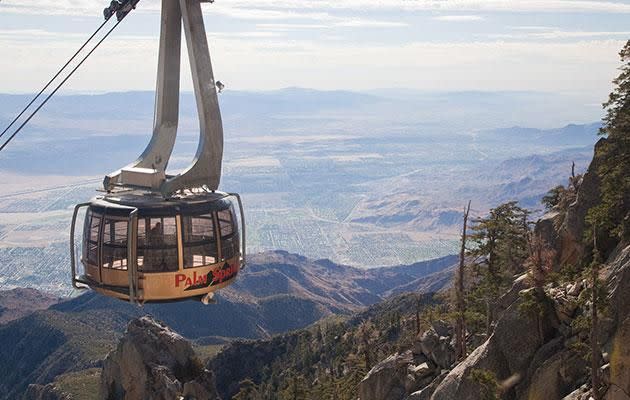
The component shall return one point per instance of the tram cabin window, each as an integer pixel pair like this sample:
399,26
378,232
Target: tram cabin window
229,234
200,244
157,244
114,252
90,244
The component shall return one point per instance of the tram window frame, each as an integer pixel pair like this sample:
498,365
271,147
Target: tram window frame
230,244
167,251
191,240
84,242
117,244
91,245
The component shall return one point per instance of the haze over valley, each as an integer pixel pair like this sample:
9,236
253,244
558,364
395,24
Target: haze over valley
364,179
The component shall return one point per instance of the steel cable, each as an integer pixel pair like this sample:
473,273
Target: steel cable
54,77
51,94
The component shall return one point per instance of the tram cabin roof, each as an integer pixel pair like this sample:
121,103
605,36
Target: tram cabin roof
151,204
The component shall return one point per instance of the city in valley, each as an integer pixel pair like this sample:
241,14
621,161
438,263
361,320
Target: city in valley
322,174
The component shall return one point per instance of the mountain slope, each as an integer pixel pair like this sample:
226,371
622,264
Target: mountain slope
19,302
328,354
429,200
276,293
45,344
273,283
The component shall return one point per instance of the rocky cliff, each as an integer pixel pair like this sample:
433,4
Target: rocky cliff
532,355
150,362
153,362
564,229
415,373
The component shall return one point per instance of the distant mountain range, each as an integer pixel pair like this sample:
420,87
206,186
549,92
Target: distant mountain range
431,200
111,118
365,179
569,135
299,109
20,302
278,292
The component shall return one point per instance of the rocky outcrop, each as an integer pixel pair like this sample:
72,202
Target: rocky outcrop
401,376
564,231
547,228
507,353
619,338
426,392
45,392
415,373
555,371
533,363
437,347
531,355
153,362
387,380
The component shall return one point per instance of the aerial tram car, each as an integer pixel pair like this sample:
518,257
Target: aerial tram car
154,237
151,236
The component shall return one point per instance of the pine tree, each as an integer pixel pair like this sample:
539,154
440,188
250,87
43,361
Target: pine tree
499,243
554,197
365,332
294,389
349,384
613,155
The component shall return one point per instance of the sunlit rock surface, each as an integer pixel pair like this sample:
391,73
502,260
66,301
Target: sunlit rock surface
153,362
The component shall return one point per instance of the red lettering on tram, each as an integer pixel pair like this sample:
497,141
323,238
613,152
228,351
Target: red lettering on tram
217,276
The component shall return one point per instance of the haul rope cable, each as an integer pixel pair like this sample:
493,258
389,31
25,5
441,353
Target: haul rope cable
54,77
63,81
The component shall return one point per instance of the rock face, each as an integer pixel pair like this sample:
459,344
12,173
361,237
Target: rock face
619,343
564,232
415,373
400,376
437,347
536,363
533,352
507,353
387,379
153,362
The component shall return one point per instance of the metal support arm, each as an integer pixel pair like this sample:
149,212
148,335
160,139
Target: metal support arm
206,166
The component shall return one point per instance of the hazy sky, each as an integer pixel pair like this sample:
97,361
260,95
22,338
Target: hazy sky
543,45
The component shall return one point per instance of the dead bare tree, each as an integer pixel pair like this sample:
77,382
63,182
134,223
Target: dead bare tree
539,263
540,260
418,307
460,321
595,348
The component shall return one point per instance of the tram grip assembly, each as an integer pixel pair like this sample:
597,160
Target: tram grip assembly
119,7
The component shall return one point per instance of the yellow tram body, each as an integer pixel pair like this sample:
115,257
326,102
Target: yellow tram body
141,247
